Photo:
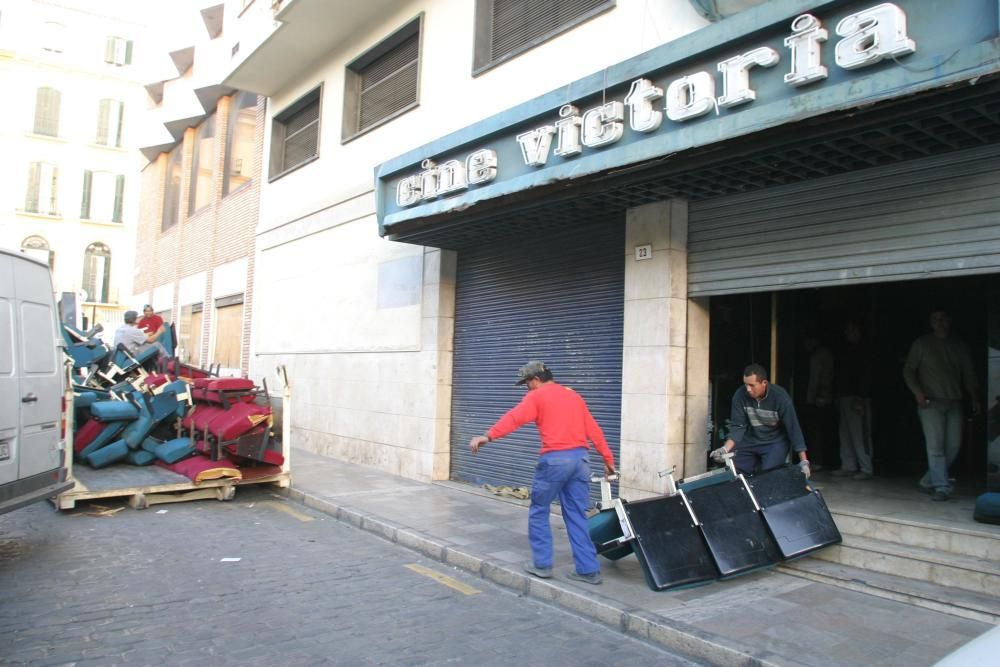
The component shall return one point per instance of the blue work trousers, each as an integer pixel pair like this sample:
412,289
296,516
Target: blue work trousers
941,420
759,458
565,475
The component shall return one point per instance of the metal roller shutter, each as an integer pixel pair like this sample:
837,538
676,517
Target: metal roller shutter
931,217
557,298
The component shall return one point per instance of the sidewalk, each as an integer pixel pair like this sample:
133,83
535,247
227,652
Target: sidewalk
763,618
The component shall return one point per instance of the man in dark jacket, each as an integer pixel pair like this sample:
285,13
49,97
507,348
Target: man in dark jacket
763,426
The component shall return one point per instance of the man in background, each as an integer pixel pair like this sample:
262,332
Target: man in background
938,371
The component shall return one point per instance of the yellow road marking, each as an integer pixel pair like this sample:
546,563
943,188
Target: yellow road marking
443,579
281,507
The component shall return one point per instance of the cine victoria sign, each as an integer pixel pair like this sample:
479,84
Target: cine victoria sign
673,108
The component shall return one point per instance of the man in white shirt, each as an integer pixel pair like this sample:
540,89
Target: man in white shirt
134,339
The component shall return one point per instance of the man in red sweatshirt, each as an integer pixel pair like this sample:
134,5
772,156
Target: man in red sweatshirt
565,425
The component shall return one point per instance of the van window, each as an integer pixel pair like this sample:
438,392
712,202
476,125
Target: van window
39,356
6,339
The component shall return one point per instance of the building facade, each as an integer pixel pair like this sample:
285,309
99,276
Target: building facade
200,199
72,79
644,198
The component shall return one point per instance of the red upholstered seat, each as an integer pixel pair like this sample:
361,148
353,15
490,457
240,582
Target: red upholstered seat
232,422
199,418
223,390
268,456
86,434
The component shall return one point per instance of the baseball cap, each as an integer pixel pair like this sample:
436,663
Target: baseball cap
532,369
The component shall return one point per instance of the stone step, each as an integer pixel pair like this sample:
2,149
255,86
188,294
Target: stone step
977,575
955,601
984,544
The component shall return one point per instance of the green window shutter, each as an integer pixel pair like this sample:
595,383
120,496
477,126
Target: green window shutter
121,118
103,121
88,177
47,112
54,192
34,182
128,52
119,192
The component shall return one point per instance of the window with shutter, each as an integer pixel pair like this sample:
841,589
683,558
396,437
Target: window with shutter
47,101
202,167
118,51
241,135
384,82
506,28
102,195
97,272
295,134
88,181
38,247
109,122
172,190
43,188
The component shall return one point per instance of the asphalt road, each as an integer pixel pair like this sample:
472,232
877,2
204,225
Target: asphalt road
263,581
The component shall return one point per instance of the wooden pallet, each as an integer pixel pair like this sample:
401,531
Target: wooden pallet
152,485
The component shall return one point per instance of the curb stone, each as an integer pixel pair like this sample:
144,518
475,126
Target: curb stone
676,636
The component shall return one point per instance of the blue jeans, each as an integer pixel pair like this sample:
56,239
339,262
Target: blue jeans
566,475
759,457
941,420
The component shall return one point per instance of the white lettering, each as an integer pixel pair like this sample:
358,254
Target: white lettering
642,117
603,125
568,131
736,75
408,191
873,35
535,145
804,42
430,177
867,37
451,177
690,96
482,166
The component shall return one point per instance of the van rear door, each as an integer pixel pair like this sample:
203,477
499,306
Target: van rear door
31,385
41,371
10,397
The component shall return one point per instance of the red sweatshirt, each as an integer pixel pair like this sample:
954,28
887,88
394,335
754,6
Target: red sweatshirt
562,418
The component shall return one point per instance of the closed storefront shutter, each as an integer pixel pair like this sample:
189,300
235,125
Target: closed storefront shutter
925,218
559,299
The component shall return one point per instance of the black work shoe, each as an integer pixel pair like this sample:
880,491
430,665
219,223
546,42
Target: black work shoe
940,496
592,578
540,572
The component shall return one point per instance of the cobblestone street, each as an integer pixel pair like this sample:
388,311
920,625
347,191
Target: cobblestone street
264,581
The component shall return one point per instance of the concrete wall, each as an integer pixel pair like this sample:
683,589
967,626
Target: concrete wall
371,376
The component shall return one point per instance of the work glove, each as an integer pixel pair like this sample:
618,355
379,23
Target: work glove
804,467
719,455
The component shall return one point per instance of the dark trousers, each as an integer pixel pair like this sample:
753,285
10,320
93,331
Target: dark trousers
758,458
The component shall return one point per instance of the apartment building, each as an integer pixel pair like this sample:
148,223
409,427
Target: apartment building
646,196
73,91
200,201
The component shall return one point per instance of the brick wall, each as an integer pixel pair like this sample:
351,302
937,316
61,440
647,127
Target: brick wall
221,232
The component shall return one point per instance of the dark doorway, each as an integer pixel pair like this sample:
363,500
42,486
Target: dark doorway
892,316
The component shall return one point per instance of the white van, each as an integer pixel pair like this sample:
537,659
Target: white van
32,385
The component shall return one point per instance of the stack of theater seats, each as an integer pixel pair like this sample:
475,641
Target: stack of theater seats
229,421
119,428
186,418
